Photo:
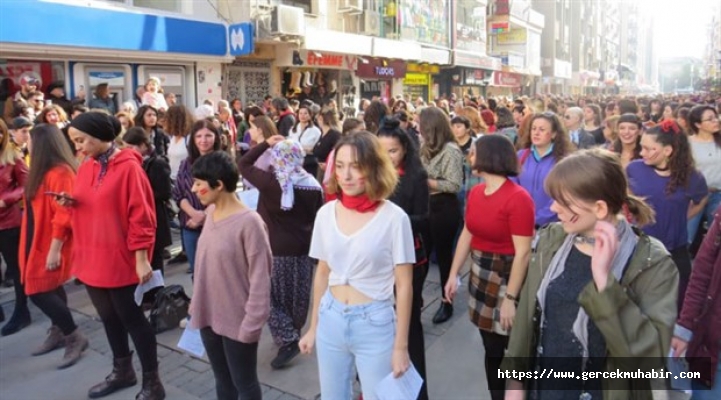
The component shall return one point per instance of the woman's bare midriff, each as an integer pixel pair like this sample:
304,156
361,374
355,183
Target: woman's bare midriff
347,294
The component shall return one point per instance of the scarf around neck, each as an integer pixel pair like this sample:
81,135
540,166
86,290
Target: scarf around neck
104,159
626,246
361,203
287,161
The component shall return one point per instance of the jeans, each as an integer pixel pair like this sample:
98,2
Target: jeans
54,304
121,316
714,200
702,392
190,244
353,335
9,244
445,218
234,366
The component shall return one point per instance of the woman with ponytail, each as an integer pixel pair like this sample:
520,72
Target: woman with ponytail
600,295
667,179
412,196
353,322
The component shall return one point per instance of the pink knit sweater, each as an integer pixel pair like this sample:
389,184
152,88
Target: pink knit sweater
231,292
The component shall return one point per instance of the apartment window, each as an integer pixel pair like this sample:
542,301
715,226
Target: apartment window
306,5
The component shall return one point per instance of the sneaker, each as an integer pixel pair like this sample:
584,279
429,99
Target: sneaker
286,353
180,258
183,323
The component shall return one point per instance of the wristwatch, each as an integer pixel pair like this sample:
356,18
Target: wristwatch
512,297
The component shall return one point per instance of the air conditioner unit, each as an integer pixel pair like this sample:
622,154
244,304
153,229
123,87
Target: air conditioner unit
350,6
287,21
370,23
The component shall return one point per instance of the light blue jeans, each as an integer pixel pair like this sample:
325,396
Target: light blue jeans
714,200
701,392
348,336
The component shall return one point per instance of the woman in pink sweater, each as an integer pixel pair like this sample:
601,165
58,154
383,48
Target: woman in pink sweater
231,291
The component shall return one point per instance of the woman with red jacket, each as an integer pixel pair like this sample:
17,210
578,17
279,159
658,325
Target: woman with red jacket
699,326
13,174
114,219
46,240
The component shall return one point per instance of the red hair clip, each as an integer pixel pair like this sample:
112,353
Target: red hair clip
670,125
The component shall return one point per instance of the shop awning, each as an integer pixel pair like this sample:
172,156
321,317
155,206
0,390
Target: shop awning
387,48
338,42
470,59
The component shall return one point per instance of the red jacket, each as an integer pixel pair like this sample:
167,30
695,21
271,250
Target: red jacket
50,221
12,183
701,313
111,220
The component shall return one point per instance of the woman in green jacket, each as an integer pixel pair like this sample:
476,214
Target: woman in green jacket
599,296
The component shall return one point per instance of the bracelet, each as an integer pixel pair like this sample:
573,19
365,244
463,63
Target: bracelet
511,297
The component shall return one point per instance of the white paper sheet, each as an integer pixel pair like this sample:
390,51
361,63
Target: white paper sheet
191,342
249,198
406,387
155,281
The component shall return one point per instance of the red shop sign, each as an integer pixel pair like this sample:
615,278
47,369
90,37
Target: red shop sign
325,60
501,78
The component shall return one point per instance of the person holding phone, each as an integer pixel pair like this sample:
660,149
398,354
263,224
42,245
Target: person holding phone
114,218
46,240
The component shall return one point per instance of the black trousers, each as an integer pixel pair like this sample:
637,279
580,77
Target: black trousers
9,247
682,257
121,316
495,346
445,218
54,304
416,342
234,366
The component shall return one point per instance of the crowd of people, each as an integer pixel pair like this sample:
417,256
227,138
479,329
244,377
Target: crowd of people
591,224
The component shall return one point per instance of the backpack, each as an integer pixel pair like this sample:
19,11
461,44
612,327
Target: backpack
170,307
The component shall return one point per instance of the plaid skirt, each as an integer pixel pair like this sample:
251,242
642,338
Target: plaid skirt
487,286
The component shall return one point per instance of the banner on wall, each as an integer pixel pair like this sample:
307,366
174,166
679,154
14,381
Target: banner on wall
514,36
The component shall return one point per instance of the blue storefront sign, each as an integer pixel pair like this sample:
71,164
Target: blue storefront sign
240,39
91,27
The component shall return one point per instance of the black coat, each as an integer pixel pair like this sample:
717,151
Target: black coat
158,171
161,142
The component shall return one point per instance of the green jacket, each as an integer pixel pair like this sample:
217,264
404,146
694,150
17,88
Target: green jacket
635,316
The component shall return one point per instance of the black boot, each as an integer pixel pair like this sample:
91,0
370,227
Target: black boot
123,376
444,313
152,387
19,320
2,314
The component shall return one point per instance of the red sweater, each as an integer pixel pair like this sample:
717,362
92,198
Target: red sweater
12,181
111,220
50,221
492,220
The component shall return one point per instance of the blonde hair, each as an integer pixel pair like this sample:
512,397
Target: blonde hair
8,154
373,161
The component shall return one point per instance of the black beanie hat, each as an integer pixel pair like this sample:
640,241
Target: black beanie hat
98,125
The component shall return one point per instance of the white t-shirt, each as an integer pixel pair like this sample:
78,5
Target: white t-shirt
177,152
307,138
367,259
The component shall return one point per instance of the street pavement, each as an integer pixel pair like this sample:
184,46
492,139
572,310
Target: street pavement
454,356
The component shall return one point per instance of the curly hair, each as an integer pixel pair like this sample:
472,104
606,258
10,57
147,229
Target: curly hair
374,115
680,163
178,120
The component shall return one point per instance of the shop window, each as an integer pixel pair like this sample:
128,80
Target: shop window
306,5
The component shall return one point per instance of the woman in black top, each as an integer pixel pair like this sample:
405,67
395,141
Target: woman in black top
328,123
412,196
147,118
158,171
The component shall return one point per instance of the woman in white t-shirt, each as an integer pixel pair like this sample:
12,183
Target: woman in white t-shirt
353,317
307,133
178,123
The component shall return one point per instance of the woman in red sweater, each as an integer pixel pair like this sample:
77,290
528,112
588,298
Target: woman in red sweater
114,219
46,240
13,174
497,234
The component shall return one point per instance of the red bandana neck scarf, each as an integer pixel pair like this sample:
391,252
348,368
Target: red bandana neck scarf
360,203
